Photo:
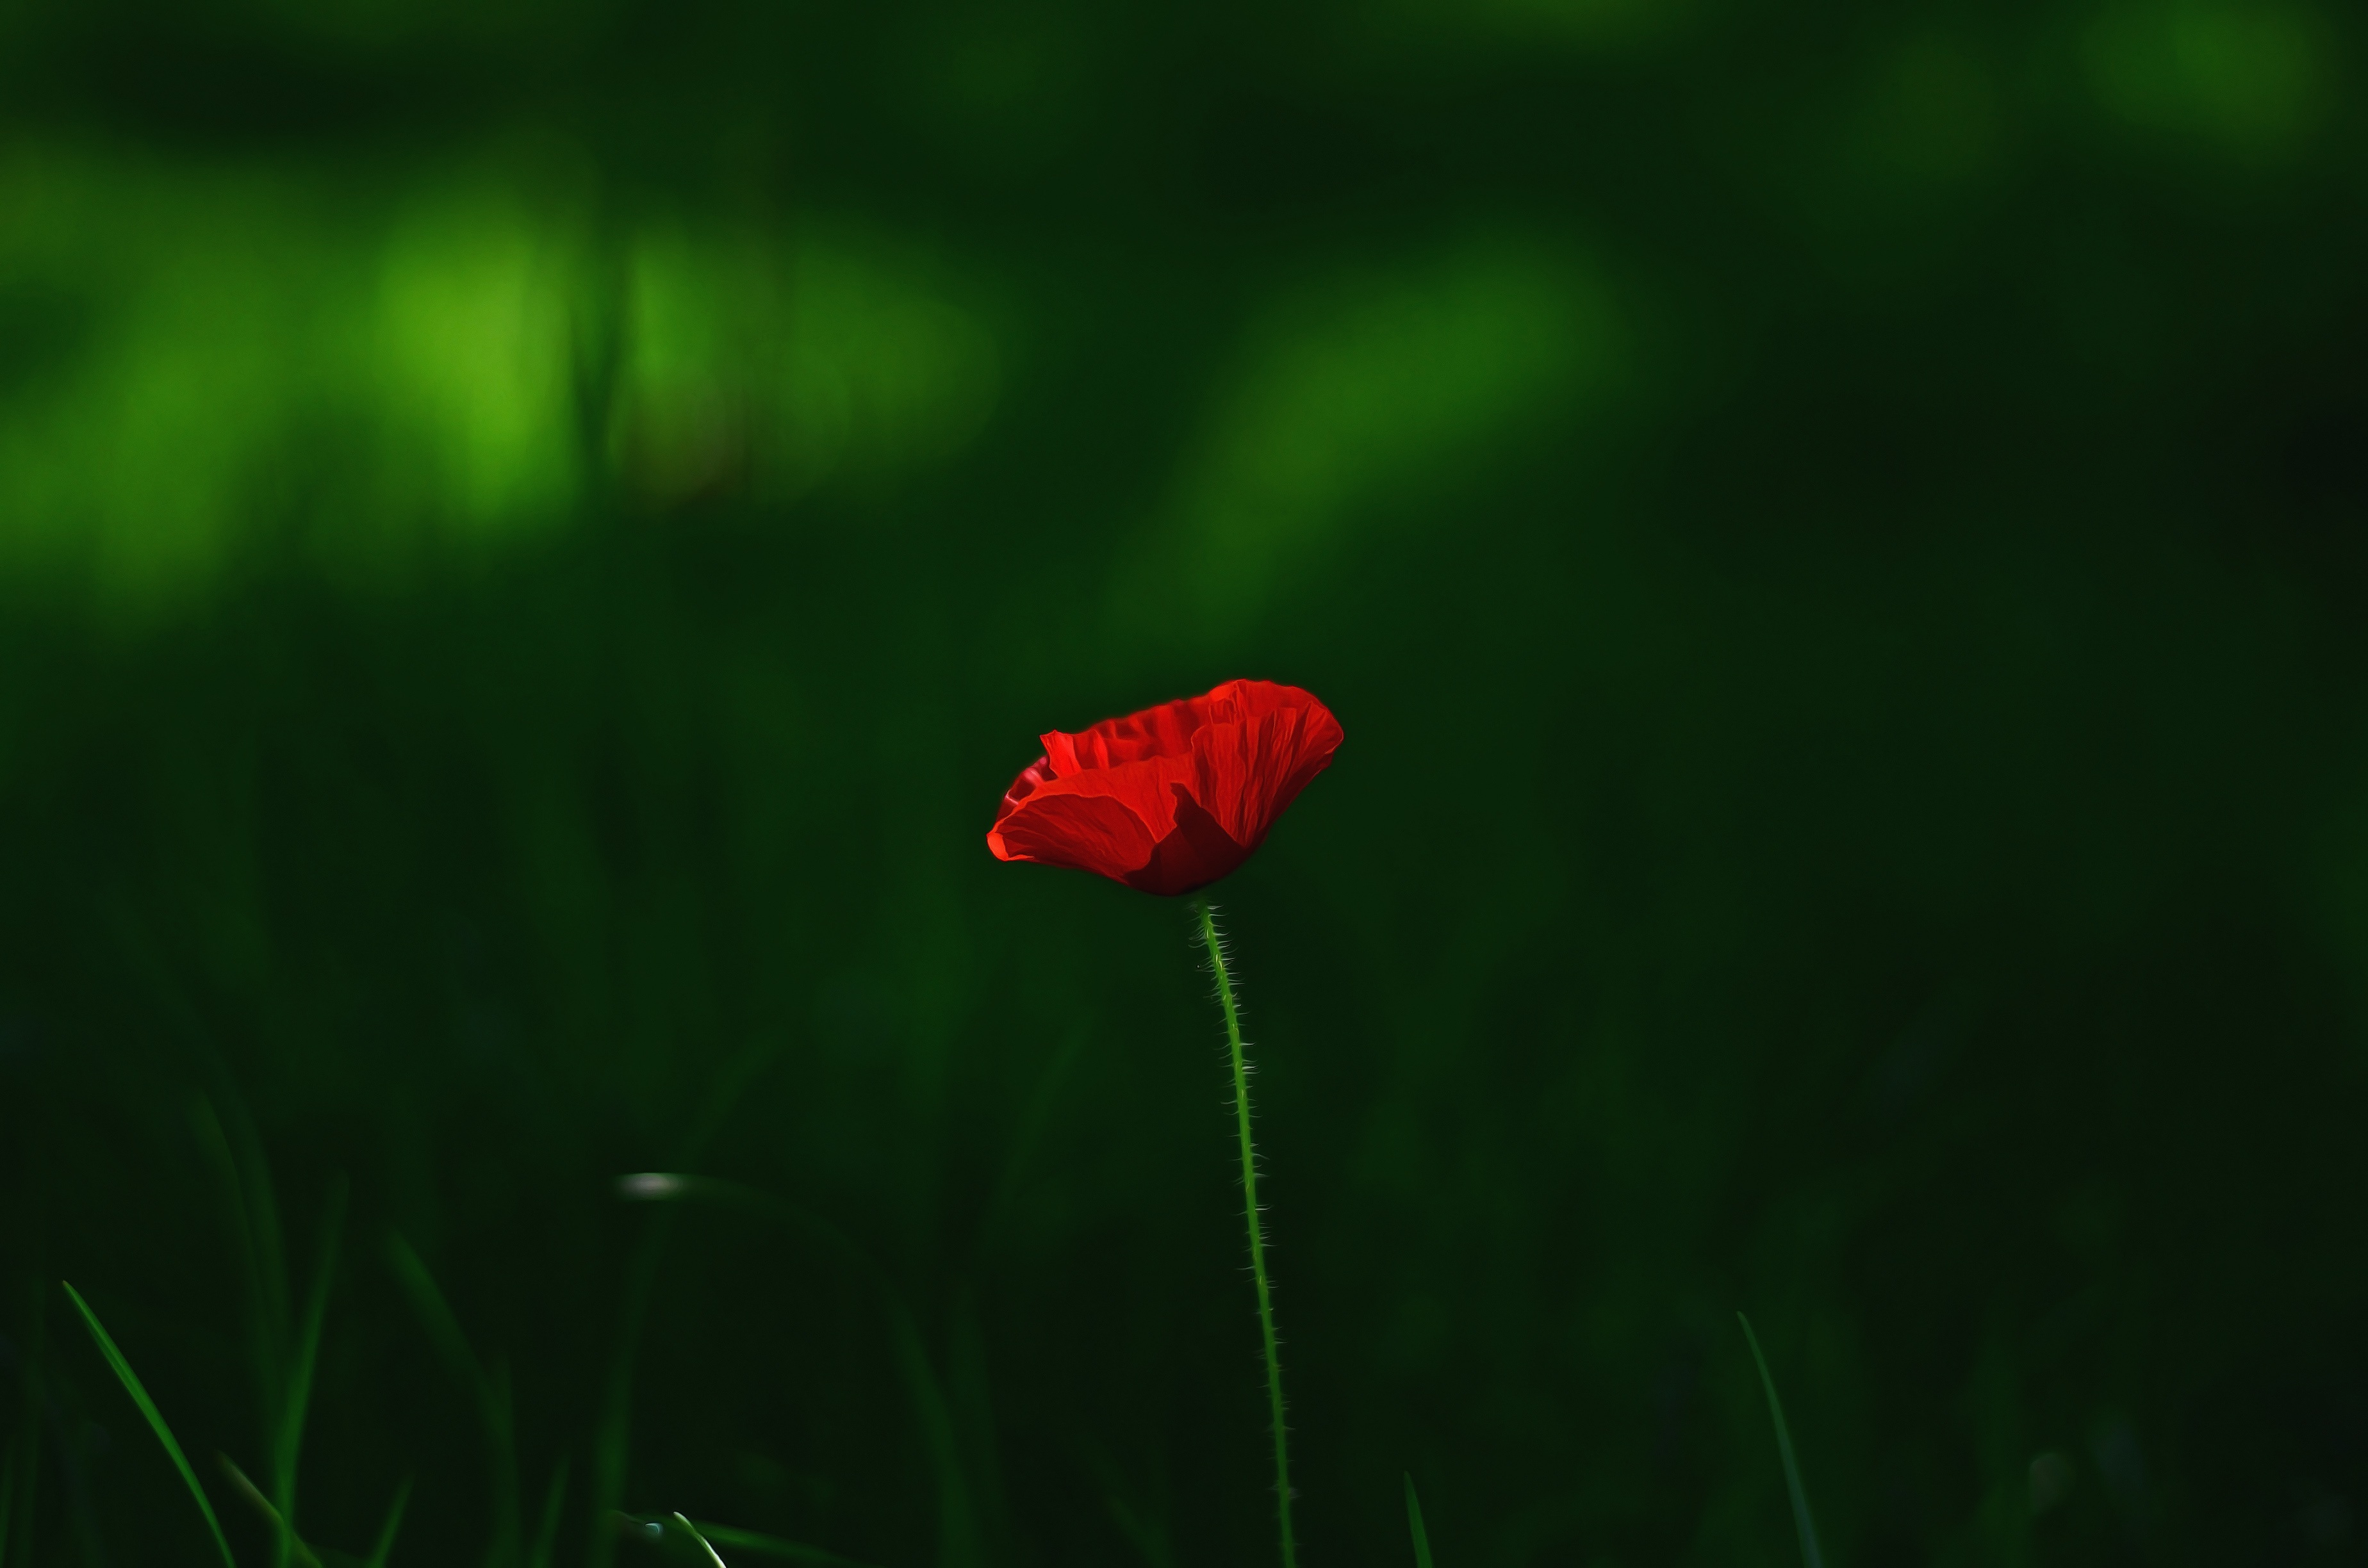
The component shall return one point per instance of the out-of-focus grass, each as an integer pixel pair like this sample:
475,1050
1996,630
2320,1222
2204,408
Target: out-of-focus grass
155,1417
1415,1529
532,537
1804,1524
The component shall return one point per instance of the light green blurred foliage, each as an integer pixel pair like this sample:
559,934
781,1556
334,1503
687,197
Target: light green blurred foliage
786,360
242,357
1366,389
2251,80
263,352
189,339
469,351
1875,527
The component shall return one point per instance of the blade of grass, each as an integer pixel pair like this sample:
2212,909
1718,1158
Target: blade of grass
489,1389
1144,1535
959,1543
1414,1527
612,1442
774,1546
1807,1527
958,1534
501,1452
289,1542
255,1226
435,1314
386,1543
291,1445
546,1534
970,1396
131,1385
703,1544
1143,1521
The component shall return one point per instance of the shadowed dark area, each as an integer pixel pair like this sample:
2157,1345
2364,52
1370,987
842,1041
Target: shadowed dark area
533,537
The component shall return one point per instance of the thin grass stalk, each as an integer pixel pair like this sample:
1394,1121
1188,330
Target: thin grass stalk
254,1217
546,1534
958,1540
156,1418
1812,1556
487,1385
613,1439
288,1450
1414,1527
386,1543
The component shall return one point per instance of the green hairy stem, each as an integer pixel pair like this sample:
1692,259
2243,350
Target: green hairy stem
1258,1231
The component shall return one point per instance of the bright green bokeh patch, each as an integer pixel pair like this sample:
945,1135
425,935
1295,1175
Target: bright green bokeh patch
267,357
471,348
208,363
785,363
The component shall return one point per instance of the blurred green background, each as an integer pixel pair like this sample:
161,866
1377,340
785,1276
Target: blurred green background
532,536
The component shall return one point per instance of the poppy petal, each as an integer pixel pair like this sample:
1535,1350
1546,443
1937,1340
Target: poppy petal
1164,731
1170,799
1199,852
1090,833
1247,773
1031,776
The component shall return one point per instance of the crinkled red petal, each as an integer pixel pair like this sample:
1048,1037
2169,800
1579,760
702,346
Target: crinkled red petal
1173,798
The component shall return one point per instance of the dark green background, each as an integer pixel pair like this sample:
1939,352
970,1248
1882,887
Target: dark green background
533,535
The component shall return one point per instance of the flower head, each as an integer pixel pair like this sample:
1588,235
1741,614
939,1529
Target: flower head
1173,798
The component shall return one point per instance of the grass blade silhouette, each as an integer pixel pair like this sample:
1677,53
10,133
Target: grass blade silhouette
546,1534
131,1385
303,1359
254,1215
435,1315
773,1546
958,1534
386,1543
713,1555
611,1442
1414,1527
488,1387
1810,1555
288,1544
959,1543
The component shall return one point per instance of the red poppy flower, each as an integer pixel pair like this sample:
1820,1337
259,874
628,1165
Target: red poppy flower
1173,798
